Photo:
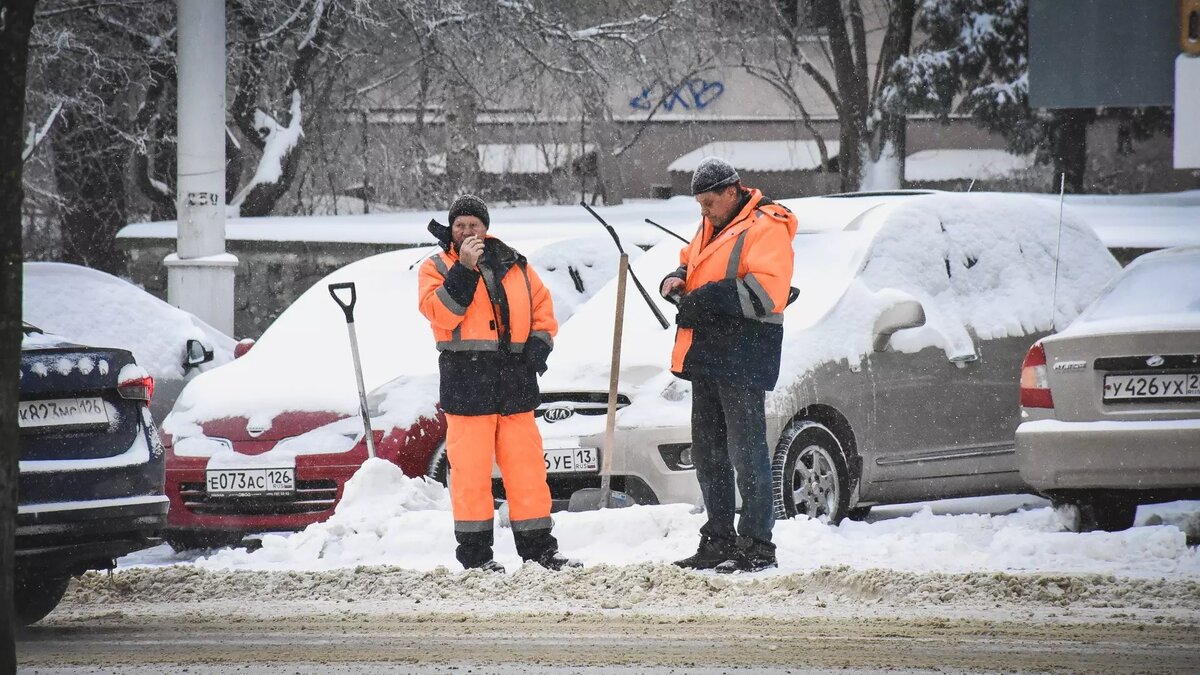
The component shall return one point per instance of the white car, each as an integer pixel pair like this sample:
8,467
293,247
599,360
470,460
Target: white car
900,363
96,308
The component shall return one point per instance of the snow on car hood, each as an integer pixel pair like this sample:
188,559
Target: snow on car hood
978,263
94,308
303,360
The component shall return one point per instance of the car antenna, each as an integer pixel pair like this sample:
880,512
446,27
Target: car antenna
662,320
673,234
971,185
1062,188
422,258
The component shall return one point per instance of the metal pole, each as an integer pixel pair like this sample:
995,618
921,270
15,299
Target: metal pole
200,275
364,410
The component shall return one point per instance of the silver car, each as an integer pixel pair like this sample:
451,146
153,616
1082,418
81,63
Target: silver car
1111,405
900,365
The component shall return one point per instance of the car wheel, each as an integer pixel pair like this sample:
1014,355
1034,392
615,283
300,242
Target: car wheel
1091,513
181,540
810,474
34,598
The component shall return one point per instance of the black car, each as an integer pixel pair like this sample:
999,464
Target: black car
91,479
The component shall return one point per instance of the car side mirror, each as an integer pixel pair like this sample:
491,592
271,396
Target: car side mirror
196,354
904,314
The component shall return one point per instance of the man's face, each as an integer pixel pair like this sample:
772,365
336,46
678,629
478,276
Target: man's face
466,226
719,206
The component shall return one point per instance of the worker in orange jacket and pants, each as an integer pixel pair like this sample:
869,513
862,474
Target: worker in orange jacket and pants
494,325
732,285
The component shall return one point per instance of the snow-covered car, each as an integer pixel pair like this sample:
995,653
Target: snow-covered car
900,362
96,308
91,466
1111,404
269,441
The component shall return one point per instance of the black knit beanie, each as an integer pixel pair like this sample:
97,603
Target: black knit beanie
469,205
713,173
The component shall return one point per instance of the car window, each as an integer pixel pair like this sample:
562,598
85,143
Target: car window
1168,285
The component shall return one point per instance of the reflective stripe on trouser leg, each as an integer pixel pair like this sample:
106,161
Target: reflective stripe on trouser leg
523,467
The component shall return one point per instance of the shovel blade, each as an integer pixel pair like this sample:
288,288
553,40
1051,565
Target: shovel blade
593,499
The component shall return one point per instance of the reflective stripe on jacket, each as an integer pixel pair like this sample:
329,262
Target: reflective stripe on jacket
731,326
494,328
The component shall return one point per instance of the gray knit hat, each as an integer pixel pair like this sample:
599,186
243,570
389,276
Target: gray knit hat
469,205
713,173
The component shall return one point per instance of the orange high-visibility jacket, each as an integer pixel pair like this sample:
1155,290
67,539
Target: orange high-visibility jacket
494,328
737,284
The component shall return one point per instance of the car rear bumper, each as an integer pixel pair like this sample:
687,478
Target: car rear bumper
1129,455
76,536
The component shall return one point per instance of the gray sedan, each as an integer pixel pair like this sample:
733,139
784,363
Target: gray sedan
1111,405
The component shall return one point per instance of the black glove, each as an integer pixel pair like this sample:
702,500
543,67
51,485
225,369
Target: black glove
690,314
536,353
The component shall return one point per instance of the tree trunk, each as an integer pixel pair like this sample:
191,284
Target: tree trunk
607,139
1068,146
15,24
89,171
851,78
462,140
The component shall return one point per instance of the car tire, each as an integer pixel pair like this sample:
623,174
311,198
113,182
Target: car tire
34,598
1095,513
810,474
181,540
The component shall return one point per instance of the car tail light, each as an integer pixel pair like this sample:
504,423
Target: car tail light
1035,385
242,347
141,388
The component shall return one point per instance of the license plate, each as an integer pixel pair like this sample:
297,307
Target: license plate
571,460
250,481
1138,387
61,412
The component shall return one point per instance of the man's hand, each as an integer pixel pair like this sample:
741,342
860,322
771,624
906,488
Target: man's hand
470,250
671,285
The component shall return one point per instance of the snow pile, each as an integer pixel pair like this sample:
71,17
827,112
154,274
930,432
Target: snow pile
99,310
382,512
386,518
782,155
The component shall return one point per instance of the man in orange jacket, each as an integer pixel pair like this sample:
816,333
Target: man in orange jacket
494,325
732,285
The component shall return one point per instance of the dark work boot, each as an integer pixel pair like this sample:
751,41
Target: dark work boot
709,555
488,565
753,558
553,560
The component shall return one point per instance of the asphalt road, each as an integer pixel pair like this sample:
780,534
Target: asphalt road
311,638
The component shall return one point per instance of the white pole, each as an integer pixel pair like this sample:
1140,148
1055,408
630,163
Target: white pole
200,275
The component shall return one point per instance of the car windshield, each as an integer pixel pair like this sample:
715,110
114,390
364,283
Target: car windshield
1167,285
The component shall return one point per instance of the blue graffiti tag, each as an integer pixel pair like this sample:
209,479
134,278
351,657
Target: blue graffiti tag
695,94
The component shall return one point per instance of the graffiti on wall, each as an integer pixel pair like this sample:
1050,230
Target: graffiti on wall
695,94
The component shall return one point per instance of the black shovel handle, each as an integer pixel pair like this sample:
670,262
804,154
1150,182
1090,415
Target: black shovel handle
347,307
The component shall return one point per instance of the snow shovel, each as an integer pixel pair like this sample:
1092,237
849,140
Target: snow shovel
592,499
348,310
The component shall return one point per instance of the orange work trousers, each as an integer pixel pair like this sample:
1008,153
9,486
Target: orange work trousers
473,442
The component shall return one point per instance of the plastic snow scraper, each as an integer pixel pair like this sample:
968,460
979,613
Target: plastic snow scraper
604,497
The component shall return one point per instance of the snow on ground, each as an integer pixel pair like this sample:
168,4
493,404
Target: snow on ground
389,519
